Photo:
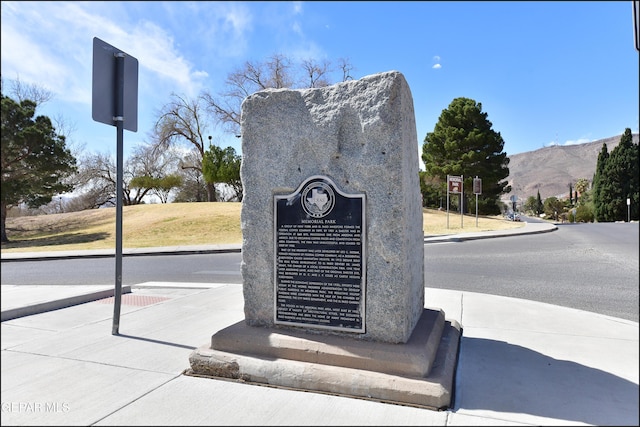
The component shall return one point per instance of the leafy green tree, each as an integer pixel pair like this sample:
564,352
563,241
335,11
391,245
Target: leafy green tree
534,205
464,143
36,162
530,205
223,166
619,180
553,207
160,186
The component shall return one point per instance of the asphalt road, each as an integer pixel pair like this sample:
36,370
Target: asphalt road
591,267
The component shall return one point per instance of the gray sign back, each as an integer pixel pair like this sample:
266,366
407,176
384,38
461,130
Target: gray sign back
105,86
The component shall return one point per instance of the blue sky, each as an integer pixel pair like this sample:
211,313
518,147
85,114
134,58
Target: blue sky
545,72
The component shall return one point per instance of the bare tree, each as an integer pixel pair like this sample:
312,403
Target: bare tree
33,92
147,171
193,187
96,181
276,72
345,65
153,172
316,73
40,95
183,120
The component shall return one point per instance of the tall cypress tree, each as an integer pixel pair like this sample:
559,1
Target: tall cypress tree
570,194
598,201
617,180
539,204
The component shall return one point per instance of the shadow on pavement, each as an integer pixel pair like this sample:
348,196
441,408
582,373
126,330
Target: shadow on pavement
512,378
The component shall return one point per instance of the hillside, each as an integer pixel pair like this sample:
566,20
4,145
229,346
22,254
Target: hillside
551,169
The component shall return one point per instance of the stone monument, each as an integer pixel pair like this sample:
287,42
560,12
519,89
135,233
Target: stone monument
333,250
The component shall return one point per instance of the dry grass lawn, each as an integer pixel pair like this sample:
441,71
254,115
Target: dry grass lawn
176,224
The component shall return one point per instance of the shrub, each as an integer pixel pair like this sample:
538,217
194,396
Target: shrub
584,214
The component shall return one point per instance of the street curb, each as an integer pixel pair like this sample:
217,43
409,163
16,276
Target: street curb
43,307
33,256
486,235
237,248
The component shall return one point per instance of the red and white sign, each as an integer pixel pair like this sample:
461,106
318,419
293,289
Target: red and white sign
455,184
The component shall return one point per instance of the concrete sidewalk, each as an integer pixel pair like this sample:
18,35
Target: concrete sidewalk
520,363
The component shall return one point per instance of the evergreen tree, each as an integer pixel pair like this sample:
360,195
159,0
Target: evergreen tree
619,180
433,191
539,205
598,201
553,208
35,159
464,143
570,194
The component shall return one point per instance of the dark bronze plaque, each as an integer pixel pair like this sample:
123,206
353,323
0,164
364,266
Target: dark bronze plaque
320,268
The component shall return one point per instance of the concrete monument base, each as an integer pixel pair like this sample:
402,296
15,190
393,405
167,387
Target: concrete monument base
419,372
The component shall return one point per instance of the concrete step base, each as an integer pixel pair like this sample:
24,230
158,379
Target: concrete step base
418,373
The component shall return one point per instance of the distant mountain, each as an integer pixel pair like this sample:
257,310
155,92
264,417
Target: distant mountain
551,169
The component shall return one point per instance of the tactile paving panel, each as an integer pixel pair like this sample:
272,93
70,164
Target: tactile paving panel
134,299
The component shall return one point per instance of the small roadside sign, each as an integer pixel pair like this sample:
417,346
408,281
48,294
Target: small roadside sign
105,86
455,184
115,103
477,185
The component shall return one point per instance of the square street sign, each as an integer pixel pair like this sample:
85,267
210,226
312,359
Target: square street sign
455,184
105,86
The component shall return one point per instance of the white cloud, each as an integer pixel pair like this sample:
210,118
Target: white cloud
577,141
297,28
50,44
582,140
437,65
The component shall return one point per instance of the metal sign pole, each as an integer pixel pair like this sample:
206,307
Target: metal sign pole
119,119
477,183
476,210
115,96
461,194
447,201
